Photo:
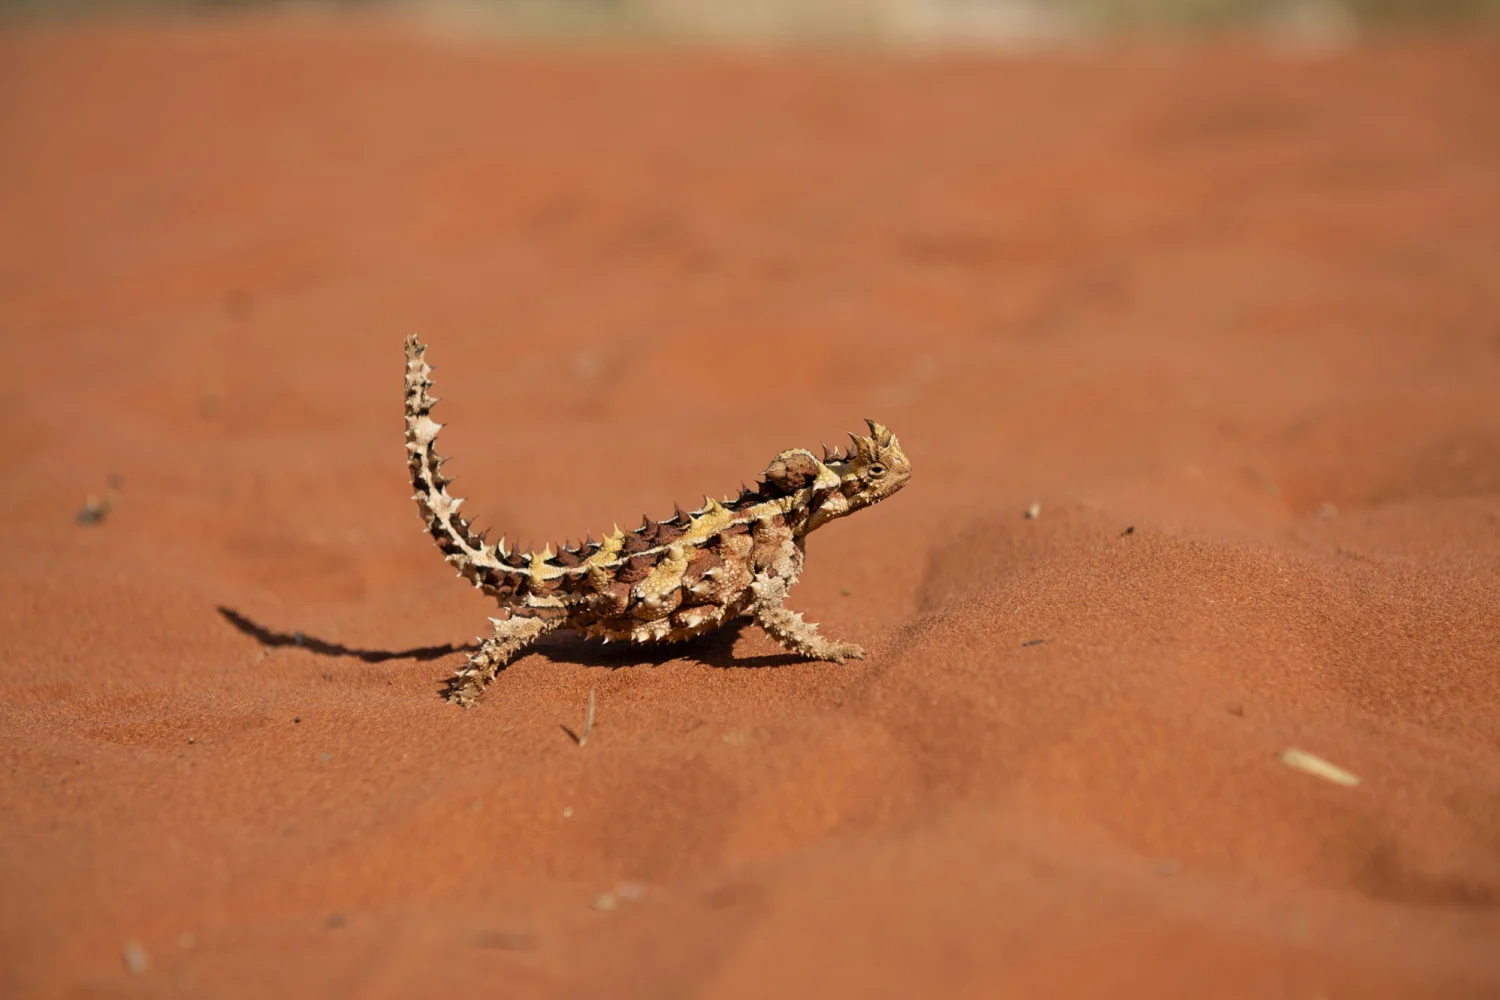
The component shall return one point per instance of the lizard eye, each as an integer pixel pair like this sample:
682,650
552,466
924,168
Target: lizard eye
876,471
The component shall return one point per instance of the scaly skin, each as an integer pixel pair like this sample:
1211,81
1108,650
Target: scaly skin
666,580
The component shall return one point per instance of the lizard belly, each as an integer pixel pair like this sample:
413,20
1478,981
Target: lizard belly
694,590
675,626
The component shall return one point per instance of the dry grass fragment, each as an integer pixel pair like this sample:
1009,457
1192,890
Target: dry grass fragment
1301,760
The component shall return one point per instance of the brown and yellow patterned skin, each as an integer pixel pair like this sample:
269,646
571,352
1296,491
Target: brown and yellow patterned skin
666,580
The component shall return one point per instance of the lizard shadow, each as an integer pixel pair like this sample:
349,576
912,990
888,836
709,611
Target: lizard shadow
712,649
272,639
715,649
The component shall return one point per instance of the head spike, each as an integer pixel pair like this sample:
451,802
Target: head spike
864,448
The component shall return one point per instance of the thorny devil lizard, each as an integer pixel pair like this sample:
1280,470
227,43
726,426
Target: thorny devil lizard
666,580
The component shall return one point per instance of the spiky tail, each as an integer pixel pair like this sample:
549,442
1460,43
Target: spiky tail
463,549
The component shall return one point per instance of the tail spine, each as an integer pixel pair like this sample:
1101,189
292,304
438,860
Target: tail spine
464,550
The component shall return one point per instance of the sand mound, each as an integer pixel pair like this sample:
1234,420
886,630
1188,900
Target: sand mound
1227,316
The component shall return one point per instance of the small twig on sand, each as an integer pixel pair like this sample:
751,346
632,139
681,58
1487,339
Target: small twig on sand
582,737
588,721
94,509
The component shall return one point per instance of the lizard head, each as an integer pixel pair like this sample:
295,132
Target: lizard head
873,469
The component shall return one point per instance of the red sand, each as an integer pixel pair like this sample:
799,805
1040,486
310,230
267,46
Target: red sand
1197,292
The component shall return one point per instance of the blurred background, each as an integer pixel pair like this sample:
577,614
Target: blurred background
969,22
1185,312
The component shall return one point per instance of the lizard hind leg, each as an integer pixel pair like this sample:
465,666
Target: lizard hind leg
788,628
512,635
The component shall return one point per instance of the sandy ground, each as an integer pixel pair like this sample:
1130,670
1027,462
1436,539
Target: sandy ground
1229,315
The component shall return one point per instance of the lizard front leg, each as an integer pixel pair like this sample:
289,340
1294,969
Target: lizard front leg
512,635
788,628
